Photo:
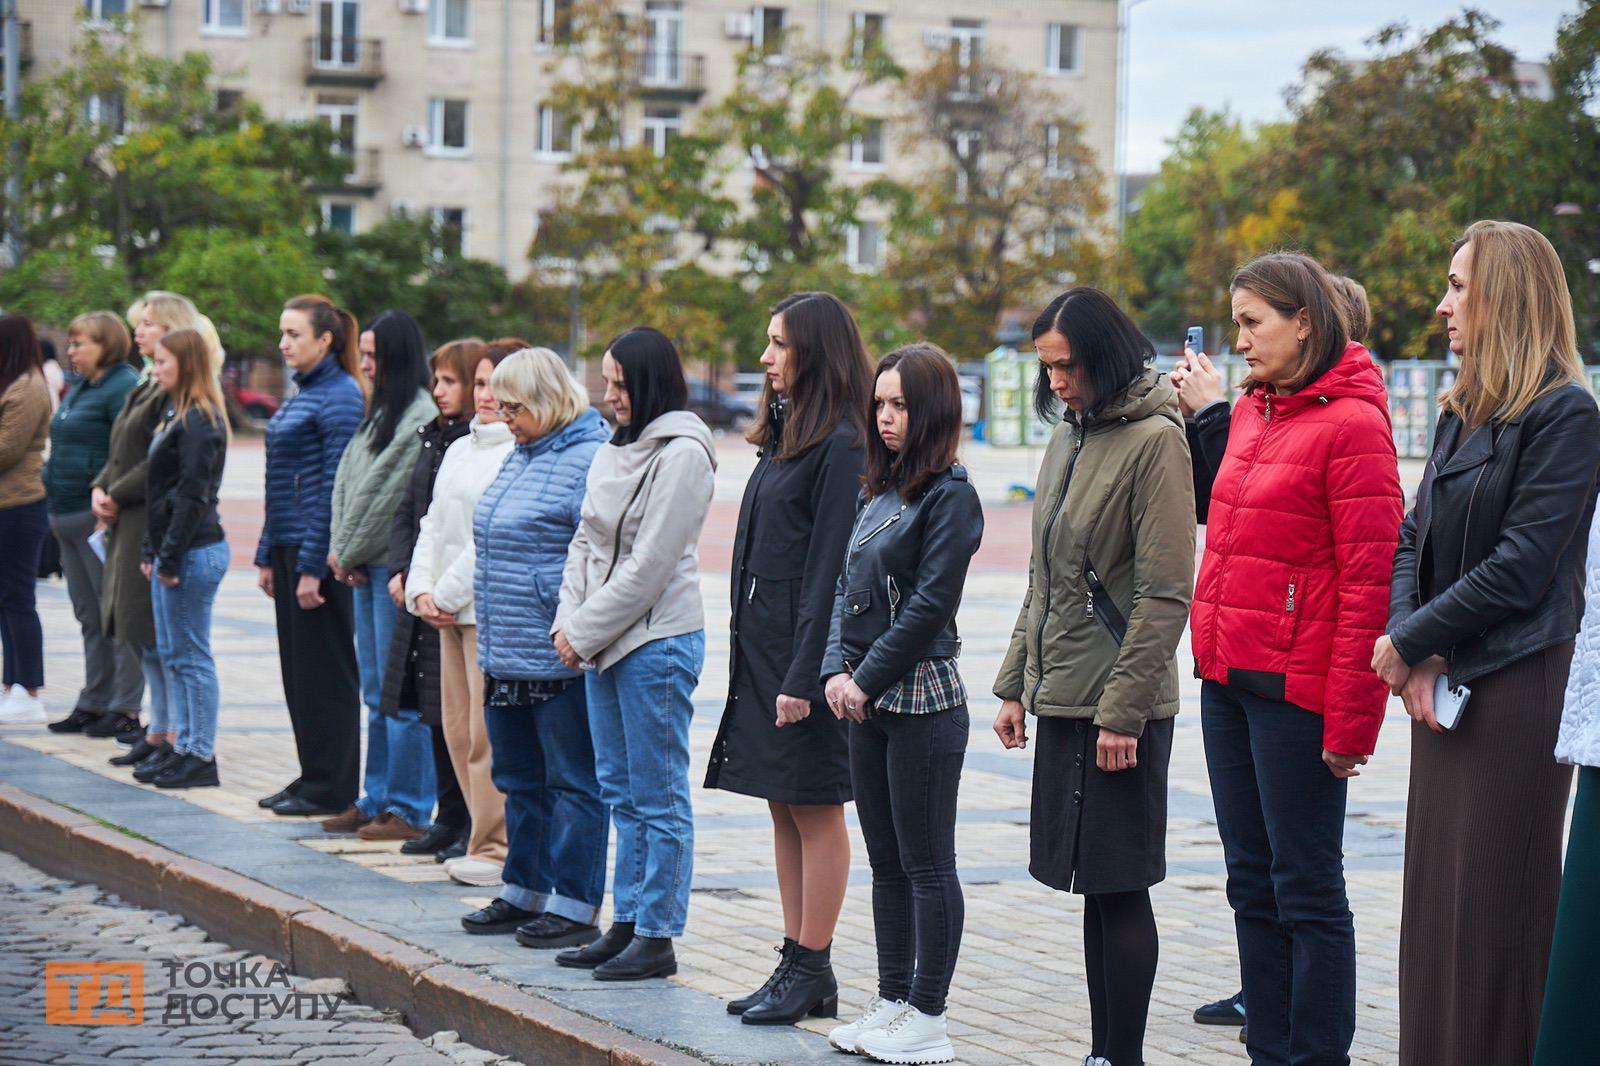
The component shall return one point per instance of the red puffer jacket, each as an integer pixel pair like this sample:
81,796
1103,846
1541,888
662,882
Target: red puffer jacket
1305,513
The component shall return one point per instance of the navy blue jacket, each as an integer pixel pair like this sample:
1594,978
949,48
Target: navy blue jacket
521,529
304,442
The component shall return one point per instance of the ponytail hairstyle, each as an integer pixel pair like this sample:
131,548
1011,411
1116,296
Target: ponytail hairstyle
197,387
402,370
342,328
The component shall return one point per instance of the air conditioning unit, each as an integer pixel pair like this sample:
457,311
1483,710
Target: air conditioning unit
403,207
413,7
297,7
264,7
414,136
739,26
153,3
936,38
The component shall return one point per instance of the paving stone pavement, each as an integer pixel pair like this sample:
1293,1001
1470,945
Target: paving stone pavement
1018,994
46,920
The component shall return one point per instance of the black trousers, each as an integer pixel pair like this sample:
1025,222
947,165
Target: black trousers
321,685
452,804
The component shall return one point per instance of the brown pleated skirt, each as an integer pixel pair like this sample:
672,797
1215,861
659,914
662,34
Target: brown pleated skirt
1483,870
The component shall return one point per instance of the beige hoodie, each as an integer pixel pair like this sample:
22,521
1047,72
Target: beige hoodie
632,573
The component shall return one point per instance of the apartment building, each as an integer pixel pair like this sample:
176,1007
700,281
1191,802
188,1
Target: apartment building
441,103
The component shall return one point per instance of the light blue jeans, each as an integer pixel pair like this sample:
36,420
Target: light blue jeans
183,641
639,714
399,774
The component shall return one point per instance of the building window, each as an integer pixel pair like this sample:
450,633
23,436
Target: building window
1058,238
448,22
339,218
339,112
450,230
105,109
866,151
866,34
1053,165
447,127
663,43
863,246
968,145
553,137
766,30
661,126
966,45
555,22
101,10
1063,49
229,101
222,16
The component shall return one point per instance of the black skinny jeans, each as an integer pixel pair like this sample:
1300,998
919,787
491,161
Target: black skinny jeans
905,770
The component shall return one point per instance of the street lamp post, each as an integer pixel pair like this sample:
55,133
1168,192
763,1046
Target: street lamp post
1124,9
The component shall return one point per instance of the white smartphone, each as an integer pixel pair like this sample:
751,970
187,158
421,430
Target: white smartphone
1449,701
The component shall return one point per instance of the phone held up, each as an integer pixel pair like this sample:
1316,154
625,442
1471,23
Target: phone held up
1195,339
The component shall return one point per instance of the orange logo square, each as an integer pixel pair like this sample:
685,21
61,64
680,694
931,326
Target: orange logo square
93,993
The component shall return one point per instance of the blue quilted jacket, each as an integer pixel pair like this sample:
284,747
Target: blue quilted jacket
521,529
304,442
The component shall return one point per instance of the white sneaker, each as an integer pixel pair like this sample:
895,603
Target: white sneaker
879,1013
913,1037
19,708
1095,1060
478,873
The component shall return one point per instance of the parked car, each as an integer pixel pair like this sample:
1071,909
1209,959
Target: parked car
718,409
257,404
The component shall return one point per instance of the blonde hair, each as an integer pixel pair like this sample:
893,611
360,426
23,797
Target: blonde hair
175,312
134,313
538,380
105,329
1518,339
1357,312
197,385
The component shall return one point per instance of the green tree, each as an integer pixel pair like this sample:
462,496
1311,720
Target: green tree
54,285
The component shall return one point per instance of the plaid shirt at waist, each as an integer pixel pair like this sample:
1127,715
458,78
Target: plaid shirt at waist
933,685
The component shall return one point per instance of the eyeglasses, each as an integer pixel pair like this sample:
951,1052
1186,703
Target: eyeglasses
509,410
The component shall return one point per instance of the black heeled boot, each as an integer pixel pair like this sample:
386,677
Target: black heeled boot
611,944
785,956
644,957
806,987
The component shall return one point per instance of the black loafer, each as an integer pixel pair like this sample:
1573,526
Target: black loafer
497,918
74,722
266,803
110,724
553,931
433,839
297,806
188,771
1228,1011
148,768
134,755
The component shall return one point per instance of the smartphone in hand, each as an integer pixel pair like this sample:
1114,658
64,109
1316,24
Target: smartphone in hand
1195,339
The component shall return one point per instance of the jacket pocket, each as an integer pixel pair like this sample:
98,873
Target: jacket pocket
1101,606
1294,600
857,602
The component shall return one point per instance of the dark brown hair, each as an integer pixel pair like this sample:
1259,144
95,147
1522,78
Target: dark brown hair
1290,283
932,392
496,351
341,326
19,350
830,376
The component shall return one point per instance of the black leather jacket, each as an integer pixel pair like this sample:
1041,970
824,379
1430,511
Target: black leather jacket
904,568
1489,568
186,457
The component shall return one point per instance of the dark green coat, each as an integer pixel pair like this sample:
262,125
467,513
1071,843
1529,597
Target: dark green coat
125,592
80,437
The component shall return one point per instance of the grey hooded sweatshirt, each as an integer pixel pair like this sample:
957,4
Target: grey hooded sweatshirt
632,573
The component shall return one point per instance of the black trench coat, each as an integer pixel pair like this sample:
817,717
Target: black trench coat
793,525
411,675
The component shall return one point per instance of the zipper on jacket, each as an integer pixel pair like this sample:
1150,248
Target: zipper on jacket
1091,580
1044,541
893,592
752,597
1288,604
885,524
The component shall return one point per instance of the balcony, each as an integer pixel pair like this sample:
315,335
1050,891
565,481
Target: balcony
363,179
347,61
670,75
24,41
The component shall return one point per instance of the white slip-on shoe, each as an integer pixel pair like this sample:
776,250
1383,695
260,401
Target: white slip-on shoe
879,1012
478,873
19,708
913,1038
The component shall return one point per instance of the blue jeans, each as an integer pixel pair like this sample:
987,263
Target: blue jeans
1280,812
162,718
183,640
639,714
542,759
399,774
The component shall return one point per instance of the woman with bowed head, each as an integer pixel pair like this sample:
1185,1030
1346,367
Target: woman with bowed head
316,624
890,669
1488,591
1293,589
185,554
439,592
398,789
778,740
1093,651
630,605
412,677
534,705
107,365
24,520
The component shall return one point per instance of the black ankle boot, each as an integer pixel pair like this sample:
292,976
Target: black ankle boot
806,987
643,958
135,755
154,763
785,956
187,771
611,944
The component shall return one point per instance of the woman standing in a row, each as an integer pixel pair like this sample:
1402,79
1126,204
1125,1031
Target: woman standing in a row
24,523
316,625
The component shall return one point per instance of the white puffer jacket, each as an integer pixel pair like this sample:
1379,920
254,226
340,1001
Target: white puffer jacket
443,560
1579,739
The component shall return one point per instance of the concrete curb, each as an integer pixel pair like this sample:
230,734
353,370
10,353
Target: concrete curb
383,972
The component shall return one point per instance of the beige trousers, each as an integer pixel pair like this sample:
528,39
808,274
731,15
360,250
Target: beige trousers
467,737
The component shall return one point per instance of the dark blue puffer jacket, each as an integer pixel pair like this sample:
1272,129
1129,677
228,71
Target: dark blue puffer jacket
304,442
521,530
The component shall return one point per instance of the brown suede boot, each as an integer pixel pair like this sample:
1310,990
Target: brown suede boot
348,821
388,827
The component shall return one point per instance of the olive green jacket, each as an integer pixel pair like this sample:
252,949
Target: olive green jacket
368,486
1115,497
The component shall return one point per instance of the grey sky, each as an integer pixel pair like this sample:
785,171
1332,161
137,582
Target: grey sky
1188,53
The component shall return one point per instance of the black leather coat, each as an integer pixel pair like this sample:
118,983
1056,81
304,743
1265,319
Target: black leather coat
1208,442
905,566
185,475
1489,568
